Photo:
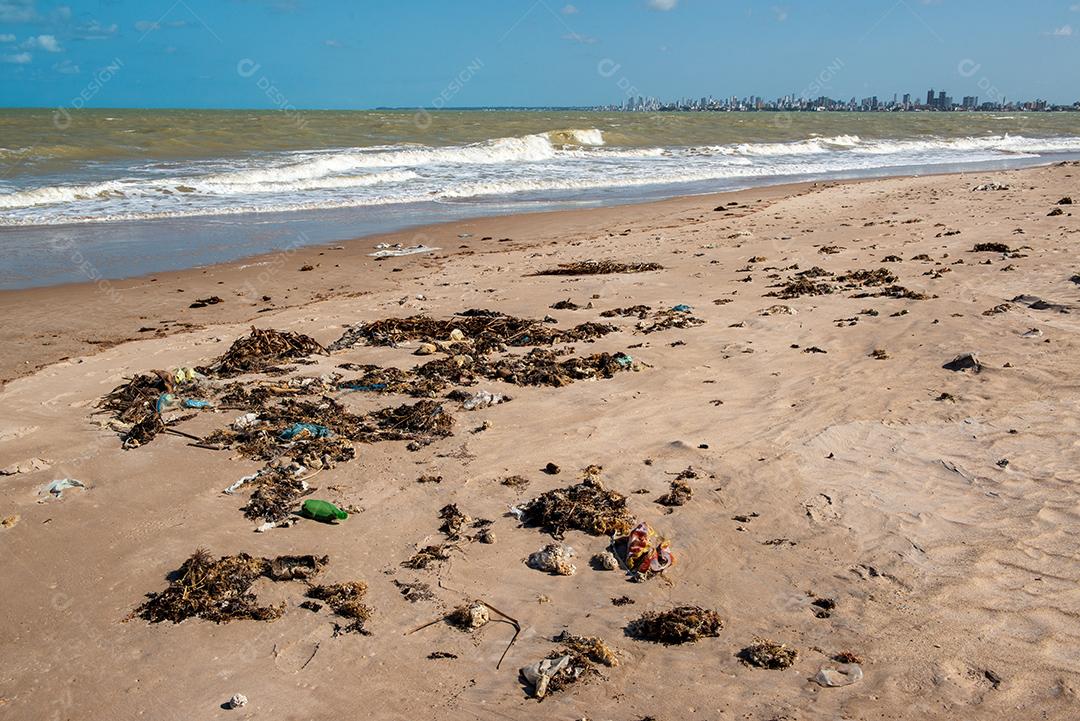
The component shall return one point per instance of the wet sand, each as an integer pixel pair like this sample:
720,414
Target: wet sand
936,508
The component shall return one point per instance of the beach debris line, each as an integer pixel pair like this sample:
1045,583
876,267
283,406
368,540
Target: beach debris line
543,367
767,654
598,267
220,591
682,624
586,506
473,332
576,660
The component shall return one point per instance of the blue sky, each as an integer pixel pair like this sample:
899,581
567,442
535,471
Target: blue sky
367,53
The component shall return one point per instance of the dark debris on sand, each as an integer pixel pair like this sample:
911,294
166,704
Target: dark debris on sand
682,624
220,590
768,654
599,267
542,367
344,599
263,349
587,506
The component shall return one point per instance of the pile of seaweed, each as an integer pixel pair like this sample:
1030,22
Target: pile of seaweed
420,422
587,506
599,267
682,624
542,367
314,433
344,599
258,394
479,333
220,591
866,278
768,654
262,350
641,311
585,654
806,283
277,489
667,319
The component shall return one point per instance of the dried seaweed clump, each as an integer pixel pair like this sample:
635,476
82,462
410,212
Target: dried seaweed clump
375,379
667,319
277,489
428,555
866,278
220,591
893,291
421,422
991,248
599,267
568,665
683,624
261,350
474,332
768,654
640,311
679,495
542,367
799,287
587,506
134,405
344,600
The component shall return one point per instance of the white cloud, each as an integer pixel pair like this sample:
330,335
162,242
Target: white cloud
145,26
780,13
17,59
67,67
17,11
7,38
1075,8
331,43
570,10
1065,31
578,38
93,30
48,43
664,5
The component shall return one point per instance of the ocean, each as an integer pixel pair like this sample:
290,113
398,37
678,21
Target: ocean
139,191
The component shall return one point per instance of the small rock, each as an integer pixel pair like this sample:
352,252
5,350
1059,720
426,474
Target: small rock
964,362
605,561
426,349
238,700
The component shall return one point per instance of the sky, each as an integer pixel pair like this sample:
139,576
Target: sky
434,53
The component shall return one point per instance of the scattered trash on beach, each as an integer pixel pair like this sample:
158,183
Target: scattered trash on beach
841,675
648,553
56,488
575,661
599,267
767,654
964,362
397,250
682,624
322,511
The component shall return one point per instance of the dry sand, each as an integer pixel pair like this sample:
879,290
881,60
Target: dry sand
955,574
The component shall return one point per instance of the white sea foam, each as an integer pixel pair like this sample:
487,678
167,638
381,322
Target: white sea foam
531,166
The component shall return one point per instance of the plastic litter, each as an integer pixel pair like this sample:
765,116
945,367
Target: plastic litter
185,375
196,403
397,250
682,308
236,486
246,421
647,552
299,431
539,674
164,401
483,399
57,488
842,675
370,388
322,511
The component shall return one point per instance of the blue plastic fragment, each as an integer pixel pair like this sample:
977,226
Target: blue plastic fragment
299,429
195,403
682,308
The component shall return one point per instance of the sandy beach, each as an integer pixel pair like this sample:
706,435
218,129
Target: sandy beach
851,495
